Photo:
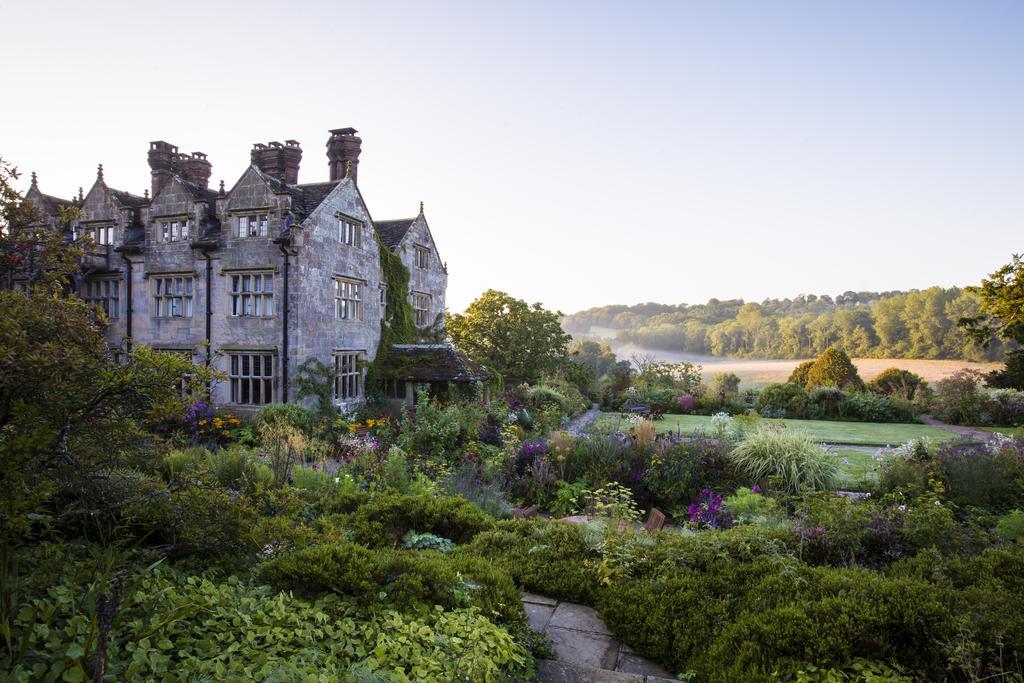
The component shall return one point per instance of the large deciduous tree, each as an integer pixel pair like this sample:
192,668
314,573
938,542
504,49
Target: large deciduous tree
521,342
1002,315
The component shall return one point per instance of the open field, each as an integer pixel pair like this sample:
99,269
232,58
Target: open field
759,372
851,433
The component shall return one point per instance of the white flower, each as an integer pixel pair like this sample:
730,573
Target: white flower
902,508
867,495
337,480
938,503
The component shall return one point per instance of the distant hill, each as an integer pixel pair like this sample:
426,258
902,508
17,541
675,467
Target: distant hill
913,324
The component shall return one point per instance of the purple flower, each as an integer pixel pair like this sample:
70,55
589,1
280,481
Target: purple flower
756,489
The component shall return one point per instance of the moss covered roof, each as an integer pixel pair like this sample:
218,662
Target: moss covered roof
432,363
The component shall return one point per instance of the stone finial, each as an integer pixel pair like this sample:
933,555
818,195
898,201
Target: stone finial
35,181
81,197
99,172
145,193
348,168
221,188
421,208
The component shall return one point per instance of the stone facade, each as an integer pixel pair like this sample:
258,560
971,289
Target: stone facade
206,272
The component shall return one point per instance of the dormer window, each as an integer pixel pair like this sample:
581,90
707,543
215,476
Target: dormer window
175,230
350,231
253,225
422,257
100,234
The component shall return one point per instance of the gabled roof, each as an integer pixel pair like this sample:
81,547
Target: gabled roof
199,193
128,199
432,363
52,205
393,232
305,198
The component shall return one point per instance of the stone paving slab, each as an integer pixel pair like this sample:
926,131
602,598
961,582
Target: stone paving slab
560,672
636,664
586,650
539,616
579,618
535,599
582,648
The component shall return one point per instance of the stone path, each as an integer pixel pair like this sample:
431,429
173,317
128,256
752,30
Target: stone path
582,423
587,652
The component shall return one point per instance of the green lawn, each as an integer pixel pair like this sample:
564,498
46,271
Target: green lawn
853,433
858,468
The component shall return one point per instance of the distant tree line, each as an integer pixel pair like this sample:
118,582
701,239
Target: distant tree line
914,324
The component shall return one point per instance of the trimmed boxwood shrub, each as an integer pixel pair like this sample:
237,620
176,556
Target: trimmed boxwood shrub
745,621
385,519
550,558
399,577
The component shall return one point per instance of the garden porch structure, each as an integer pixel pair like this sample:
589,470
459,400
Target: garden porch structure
438,367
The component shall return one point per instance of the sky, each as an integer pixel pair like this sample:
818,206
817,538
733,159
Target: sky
573,153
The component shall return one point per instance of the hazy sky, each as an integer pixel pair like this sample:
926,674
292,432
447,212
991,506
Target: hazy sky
577,154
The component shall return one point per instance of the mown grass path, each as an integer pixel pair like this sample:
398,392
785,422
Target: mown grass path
826,431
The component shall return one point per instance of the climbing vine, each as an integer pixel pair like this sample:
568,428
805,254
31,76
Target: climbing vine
398,327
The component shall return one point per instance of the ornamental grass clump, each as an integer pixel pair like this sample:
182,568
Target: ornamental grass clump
787,457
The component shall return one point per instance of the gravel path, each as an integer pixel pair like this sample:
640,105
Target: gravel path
582,424
958,429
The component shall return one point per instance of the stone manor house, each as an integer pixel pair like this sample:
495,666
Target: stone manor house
258,278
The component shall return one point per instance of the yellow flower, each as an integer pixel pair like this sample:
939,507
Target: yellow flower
351,428
202,422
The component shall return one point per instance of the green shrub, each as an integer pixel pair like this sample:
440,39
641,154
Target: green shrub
435,431
399,577
385,519
171,626
1011,526
897,383
782,400
871,407
826,403
569,498
786,456
833,368
550,558
291,414
343,568
799,374
749,507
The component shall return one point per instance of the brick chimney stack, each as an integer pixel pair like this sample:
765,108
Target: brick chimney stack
162,158
343,147
195,169
291,155
280,161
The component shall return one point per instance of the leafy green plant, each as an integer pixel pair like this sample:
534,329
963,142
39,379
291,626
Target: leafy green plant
1011,526
569,498
788,456
750,506
415,541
